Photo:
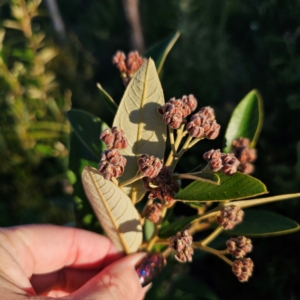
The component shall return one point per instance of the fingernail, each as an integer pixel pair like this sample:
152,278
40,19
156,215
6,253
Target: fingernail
149,267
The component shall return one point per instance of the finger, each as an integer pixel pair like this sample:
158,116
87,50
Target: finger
47,248
118,281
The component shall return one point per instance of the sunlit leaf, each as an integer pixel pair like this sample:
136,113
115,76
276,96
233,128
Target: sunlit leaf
114,209
171,229
88,128
246,120
160,51
264,223
237,186
144,127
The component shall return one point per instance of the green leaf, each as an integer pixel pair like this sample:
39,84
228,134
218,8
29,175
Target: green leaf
88,128
109,103
246,120
237,186
264,223
172,228
160,51
149,228
144,127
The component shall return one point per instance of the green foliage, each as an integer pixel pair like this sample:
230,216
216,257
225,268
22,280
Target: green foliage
246,120
261,223
160,51
238,186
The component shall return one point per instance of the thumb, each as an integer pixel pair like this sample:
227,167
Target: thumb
118,281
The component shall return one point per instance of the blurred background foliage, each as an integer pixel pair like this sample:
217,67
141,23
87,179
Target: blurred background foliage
226,49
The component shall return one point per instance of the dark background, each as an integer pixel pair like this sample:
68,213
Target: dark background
226,49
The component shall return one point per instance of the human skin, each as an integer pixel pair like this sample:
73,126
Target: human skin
47,262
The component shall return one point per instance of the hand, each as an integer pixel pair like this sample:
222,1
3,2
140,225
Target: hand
46,262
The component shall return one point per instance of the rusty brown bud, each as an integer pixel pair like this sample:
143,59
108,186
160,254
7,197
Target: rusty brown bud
153,212
239,247
128,67
112,164
230,215
149,166
182,244
243,269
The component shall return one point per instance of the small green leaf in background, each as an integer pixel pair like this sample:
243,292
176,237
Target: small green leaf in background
109,103
246,120
160,51
237,186
264,223
88,128
171,229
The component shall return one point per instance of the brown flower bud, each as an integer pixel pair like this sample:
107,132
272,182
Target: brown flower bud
114,138
208,112
150,166
153,212
230,215
112,164
173,120
190,101
182,244
212,154
214,131
128,67
244,154
203,124
239,247
246,168
243,268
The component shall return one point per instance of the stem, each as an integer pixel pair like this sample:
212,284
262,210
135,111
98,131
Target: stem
213,251
172,140
156,230
167,252
212,236
131,180
196,227
195,141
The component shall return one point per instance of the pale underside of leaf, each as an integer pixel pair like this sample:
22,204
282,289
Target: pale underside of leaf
144,127
114,209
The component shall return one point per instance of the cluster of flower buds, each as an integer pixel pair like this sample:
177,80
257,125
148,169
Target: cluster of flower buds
239,247
153,212
224,162
149,166
230,215
243,268
114,138
176,110
244,154
112,164
128,67
162,186
203,124
182,244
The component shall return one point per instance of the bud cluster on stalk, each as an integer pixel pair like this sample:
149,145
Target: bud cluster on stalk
112,163
239,247
182,244
128,66
221,162
246,155
162,186
230,215
243,268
